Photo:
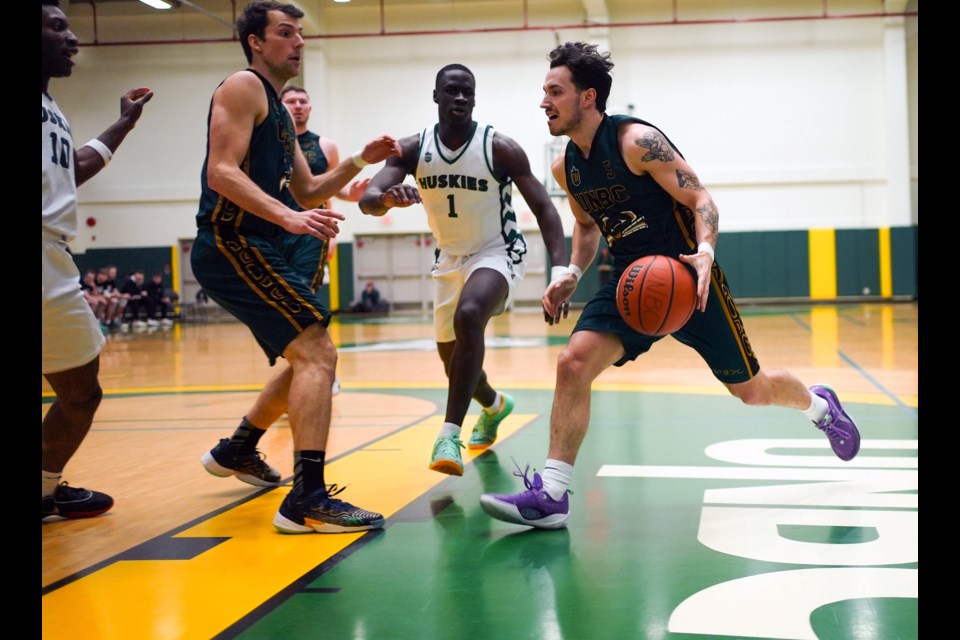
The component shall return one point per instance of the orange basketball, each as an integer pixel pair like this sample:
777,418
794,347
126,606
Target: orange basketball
656,295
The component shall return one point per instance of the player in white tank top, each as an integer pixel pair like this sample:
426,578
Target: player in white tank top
70,335
463,173
461,195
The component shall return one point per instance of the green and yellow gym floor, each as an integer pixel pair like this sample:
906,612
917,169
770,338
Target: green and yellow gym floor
693,516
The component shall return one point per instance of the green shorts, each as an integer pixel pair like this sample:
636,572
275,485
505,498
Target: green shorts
307,255
248,276
717,334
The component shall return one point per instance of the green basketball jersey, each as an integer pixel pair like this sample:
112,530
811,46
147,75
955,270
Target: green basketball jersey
635,214
269,163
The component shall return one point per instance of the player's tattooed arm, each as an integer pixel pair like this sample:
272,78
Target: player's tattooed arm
689,180
710,216
656,145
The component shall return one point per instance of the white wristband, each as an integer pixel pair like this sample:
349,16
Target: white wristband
706,247
102,150
358,160
556,273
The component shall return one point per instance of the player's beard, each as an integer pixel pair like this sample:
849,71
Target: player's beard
572,123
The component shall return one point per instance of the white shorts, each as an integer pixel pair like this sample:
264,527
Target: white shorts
451,272
70,335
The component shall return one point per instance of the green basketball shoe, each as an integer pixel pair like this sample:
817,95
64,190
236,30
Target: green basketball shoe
485,431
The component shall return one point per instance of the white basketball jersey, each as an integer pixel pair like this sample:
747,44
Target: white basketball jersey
58,204
468,209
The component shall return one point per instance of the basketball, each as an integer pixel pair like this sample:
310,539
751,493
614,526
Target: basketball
656,295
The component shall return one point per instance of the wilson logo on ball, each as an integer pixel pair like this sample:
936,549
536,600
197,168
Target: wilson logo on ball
626,289
656,295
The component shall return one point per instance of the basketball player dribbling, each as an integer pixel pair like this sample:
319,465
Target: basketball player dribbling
625,180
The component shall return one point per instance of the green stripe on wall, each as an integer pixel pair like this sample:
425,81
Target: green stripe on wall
150,259
765,264
344,257
904,258
858,262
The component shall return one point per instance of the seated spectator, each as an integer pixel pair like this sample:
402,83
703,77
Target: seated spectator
370,301
96,300
116,301
136,299
158,301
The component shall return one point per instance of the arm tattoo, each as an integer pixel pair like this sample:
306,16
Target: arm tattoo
657,145
689,180
709,215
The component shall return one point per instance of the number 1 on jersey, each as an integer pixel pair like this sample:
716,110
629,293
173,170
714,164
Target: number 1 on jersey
453,207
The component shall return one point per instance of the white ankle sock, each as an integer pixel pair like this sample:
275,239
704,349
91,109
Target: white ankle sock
817,409
449,429
48,482
496,406
556,478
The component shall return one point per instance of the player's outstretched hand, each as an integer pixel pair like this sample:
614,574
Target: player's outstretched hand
355,190
380,149
131,103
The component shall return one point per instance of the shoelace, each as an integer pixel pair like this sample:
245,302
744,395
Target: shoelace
71,492
450,443
536,484
332,490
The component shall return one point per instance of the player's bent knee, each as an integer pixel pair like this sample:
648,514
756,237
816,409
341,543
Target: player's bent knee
749,394
82,406
572,364
313,347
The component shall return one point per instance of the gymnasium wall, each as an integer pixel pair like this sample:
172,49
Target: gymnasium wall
823,264
798,128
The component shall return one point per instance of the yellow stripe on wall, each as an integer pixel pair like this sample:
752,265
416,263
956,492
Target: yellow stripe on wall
886,263
175,269
823,264
334,263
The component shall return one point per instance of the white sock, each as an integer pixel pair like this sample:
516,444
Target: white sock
556,478
496,406
817,409
48,482
449,429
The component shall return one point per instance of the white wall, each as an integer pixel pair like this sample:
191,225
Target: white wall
785,122
913,95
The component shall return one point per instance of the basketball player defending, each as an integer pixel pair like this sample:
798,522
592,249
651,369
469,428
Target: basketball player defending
306,253
252,158
70,335
464,174
627,181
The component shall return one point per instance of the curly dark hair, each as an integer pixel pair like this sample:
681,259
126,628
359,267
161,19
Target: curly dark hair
589,68
255,18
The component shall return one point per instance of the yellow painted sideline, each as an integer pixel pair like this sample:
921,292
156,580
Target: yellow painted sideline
201,597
